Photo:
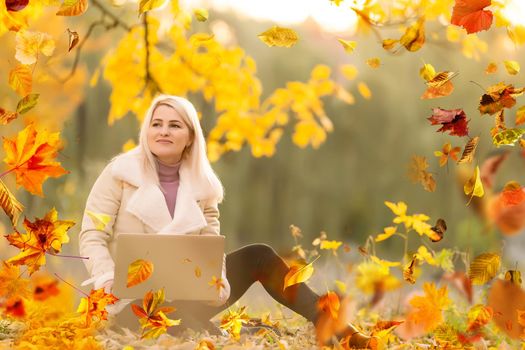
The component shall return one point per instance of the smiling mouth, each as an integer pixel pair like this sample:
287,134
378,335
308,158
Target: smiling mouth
164,141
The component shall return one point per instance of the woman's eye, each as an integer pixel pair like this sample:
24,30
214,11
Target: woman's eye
175,125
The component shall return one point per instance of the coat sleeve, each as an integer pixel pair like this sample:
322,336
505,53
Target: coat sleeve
211,213
103,202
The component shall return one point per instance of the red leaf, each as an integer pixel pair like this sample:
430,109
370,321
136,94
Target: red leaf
470,15
16,5
452,120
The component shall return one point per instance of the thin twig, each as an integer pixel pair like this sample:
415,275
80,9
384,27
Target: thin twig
116,20
63,280
69,256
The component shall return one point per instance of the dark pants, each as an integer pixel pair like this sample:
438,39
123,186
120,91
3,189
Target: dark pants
244,266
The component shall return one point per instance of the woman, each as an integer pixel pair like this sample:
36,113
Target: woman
166,185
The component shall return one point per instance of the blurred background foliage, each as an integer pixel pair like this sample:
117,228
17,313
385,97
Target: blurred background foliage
340,187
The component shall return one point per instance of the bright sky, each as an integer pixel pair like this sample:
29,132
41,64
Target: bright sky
332,18
288,12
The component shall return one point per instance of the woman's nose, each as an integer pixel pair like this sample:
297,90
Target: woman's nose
164,130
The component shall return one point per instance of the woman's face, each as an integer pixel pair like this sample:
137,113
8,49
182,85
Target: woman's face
168,134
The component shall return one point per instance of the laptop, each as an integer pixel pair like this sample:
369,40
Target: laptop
184,265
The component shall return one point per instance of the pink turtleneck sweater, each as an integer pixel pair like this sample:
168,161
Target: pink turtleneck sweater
169,182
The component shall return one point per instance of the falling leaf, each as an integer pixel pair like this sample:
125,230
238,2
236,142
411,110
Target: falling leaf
73,39
198,272
384,263
6,117
72,8
498,96
217,282
438,84
427,72
470,150
417,173
484,267
447,152
152,316
329,303
16,5
452,120
512,67
344,95
374,62
478,316
474,186
27,103
148,5
388,232
389,44
492,68
279,36
428,309
30,44
233,321
349,71
42,236
21,79
520,116
438,230
507,137
513,276
471,15
296,232
364,90
11,206
201,14
30,154
330,245
512,194
93,307
408,270
414,36
348,45
298,274
100,220
506,299
139,271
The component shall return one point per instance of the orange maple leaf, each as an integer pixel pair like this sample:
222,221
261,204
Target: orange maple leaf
93,307
44,286
470,14
43,236
14,306
152,316
30,155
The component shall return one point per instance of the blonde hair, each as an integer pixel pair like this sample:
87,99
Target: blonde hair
195,166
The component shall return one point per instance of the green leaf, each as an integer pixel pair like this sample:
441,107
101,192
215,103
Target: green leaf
27,103
507,137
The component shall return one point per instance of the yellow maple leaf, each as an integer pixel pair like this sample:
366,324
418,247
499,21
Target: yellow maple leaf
233,321
30,44
30,155
11,282
428,309
42,236
93,307
217,282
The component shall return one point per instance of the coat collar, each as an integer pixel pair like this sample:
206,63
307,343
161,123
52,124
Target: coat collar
148,204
